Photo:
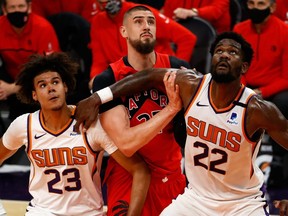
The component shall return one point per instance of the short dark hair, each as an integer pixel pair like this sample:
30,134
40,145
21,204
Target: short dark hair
135,8
59,62
246,48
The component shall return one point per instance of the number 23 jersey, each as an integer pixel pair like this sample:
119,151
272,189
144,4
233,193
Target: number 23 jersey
65,165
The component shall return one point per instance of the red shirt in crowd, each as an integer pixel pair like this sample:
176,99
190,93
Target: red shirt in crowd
282,10
108,45
214,11
46,8
269,68
38,36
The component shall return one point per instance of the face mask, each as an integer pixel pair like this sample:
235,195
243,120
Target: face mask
258,16
18,19
113,7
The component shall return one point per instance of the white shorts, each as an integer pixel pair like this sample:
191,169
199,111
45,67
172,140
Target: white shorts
190,203
35,210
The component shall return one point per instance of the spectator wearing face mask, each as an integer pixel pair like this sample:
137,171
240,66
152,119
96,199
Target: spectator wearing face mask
268,72
108,46
22,34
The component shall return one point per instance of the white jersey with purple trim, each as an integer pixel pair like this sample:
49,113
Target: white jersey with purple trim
220,159
65,165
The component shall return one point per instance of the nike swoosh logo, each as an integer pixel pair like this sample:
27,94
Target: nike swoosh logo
201,105
37,137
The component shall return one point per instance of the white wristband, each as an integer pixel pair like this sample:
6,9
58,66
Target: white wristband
105,95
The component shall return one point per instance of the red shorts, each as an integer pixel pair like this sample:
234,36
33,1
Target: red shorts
163,188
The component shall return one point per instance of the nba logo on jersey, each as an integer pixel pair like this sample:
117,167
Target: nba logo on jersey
233,118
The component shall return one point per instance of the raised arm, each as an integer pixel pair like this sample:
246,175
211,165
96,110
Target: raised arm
130,139
87,109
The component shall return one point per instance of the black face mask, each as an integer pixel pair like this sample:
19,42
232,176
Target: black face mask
18,19
258,16
113,6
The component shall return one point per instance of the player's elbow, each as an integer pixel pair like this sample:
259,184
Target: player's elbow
129,143
127,151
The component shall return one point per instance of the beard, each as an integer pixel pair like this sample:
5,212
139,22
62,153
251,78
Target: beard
225,77
145,47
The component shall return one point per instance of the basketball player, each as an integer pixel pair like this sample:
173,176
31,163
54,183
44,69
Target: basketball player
65,165
225,122
167,179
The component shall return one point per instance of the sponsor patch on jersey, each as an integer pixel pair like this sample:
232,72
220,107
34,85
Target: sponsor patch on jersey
74,134
233,119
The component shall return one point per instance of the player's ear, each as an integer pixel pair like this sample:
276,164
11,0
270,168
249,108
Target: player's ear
123,32
245,67
34,96
65,88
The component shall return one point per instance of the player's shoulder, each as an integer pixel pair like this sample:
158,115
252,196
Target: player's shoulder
23,117
257,106
20,123
189,75
104,79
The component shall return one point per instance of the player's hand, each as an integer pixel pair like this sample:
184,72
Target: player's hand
87,112
282,205
172,91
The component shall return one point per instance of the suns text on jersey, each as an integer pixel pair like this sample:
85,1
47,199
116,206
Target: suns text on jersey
213,134
60,156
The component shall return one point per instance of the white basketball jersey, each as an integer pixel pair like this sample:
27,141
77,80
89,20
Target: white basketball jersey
65,165
219,157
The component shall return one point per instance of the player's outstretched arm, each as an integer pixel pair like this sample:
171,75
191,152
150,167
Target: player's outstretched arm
87,109
140,172
139,81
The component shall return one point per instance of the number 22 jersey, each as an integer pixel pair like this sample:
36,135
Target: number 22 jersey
219,156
